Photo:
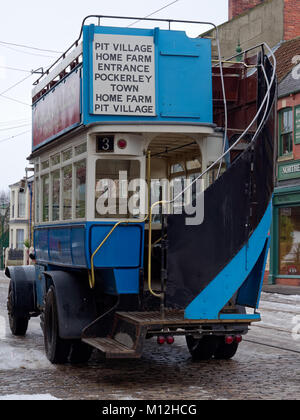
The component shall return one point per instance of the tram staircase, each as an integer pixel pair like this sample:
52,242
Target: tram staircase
129,329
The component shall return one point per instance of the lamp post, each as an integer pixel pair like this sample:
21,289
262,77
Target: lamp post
3,210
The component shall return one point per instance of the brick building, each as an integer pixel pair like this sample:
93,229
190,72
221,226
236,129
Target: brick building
254,21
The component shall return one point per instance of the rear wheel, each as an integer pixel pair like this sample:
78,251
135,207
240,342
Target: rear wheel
57,349
225,351
80,352
18,325
203,348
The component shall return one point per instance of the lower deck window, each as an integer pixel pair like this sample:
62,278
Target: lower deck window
80,188
67,192
113,198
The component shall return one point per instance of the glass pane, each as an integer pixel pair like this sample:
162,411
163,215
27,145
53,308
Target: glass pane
55,160
21,204
177,167
45,195
20,238
37,200
287,121
193,164
45,164
80,149
55,195
67,192
80,173
287,143
67,154
112,195
289,240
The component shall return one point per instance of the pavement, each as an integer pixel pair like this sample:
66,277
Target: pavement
281,289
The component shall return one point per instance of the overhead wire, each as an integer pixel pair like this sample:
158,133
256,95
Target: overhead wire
30,47
16,135
153,13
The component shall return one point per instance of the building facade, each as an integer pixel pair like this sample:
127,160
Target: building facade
255,21
20,223
285,242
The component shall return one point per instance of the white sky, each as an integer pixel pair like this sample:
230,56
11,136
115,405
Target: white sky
55,25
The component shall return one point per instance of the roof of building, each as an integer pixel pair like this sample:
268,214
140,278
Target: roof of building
284,56
288,85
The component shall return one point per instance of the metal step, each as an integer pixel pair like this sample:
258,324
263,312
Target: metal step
111,348
172,318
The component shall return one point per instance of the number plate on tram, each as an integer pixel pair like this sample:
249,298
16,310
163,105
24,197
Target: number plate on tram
105,144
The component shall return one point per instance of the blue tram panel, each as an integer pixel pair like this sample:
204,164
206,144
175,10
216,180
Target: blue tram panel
128,75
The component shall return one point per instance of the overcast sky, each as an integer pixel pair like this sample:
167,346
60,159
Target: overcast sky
55,25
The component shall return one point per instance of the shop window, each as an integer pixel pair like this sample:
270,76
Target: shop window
80,189
285,132
55,195
289,240
67,192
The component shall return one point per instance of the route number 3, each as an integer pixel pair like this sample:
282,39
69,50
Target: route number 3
105,144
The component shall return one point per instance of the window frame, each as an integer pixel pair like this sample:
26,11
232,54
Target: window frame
49,172
281,133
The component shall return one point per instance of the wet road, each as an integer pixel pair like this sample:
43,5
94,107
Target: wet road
269,370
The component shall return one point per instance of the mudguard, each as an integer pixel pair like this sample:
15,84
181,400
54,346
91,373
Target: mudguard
75,301
24,295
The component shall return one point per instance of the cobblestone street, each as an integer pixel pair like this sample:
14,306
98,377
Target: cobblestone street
258,371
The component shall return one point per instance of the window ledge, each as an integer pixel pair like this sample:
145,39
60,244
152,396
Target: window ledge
284,158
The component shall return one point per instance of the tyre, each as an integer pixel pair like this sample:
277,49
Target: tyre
80,352
57,349
225,351
18,325
203,348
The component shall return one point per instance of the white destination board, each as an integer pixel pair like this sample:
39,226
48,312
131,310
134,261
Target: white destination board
123,75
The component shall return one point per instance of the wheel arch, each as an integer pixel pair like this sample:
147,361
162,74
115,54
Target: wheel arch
75,301
22,280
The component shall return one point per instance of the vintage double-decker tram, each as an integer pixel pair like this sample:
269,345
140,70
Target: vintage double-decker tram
125,124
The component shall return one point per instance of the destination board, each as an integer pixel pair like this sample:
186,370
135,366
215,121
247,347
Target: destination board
123,75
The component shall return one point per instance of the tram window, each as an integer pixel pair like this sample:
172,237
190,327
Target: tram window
67,192
176,168
45,164
55,195
193,164
45,195
112,195
80,149
80,185
37,199
67,154
55,160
